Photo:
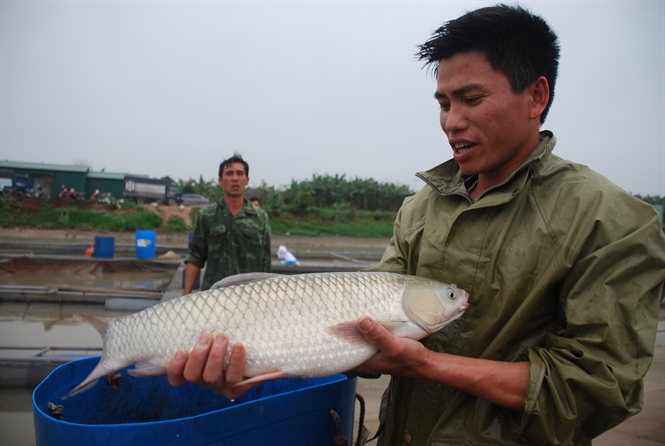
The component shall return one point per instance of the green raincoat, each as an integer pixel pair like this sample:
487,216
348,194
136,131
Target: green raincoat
564,269
230,244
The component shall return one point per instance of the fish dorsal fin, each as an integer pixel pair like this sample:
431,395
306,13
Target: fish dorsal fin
348,331
100,324
239,279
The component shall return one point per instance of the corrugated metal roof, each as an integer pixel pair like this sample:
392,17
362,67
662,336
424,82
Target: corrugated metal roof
112,175
43,166
68,168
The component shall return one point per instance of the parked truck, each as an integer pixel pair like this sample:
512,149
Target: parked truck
146,190
17,185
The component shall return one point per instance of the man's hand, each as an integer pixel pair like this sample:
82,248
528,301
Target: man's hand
396,356
502,383
205,366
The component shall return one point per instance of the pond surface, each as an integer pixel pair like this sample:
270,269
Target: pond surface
39,325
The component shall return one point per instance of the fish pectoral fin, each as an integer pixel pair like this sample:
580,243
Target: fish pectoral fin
238,279
147,369
349,332
264,377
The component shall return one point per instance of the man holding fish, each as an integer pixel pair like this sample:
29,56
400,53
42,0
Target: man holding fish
565,271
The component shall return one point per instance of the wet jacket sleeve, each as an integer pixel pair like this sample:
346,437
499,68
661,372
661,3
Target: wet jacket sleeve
587,377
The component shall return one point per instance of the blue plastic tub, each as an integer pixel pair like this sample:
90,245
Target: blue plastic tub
104,247
145,244
148,411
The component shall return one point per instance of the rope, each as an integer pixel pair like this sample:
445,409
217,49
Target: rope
339,439
363,433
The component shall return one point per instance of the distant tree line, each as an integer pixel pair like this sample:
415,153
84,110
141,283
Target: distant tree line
322,191
652,199
327,191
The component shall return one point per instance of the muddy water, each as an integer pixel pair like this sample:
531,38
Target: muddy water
118,280
39,325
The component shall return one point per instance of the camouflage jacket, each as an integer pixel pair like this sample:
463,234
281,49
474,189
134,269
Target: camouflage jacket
230,245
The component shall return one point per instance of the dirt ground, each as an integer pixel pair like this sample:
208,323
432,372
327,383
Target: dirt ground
170,238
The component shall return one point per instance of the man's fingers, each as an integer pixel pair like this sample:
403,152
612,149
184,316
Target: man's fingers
374,333
175,368
197,359
213,373
235,372
236,369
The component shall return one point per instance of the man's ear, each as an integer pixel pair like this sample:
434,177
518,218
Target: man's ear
539,95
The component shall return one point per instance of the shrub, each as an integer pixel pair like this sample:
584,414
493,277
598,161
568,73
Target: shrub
176,224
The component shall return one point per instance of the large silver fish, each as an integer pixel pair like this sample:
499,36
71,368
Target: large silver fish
301,325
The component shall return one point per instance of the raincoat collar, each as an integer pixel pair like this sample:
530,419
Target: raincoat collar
448,179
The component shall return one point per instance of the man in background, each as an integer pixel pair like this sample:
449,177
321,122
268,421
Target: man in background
231,236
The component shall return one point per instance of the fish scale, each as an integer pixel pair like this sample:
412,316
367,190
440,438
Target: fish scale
300,325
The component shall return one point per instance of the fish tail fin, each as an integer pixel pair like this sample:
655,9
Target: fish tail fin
90,381
99,371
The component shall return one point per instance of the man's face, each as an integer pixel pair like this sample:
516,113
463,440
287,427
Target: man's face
489,127
233,180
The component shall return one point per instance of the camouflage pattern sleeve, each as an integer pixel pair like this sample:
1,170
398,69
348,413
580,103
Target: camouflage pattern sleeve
198,245
267,259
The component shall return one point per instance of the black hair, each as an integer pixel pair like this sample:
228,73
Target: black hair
234,159
516,42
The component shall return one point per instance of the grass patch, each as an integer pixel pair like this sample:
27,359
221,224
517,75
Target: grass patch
92,219
176,224
357,229
318,221
14,213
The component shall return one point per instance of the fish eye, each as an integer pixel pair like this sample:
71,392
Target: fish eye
451,293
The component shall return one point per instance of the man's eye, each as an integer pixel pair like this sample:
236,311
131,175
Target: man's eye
444,106
472,100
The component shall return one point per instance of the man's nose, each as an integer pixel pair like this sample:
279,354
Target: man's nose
453,120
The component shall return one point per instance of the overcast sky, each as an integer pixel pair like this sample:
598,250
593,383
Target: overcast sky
297,88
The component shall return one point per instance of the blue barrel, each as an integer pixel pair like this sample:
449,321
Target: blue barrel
145,244
148,411
104,247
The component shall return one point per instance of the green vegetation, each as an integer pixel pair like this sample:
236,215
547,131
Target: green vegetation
322,191
15,213
320,221
324,205
652,199
175,224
